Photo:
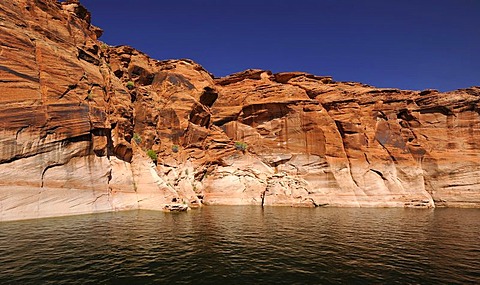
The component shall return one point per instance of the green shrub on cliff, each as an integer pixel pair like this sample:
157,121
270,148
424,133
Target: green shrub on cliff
241,146
90,95
175,148
130,85
137,138
152,154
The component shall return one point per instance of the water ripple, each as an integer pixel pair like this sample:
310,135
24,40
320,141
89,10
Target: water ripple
246,245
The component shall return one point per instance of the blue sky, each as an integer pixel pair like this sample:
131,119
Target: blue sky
407,44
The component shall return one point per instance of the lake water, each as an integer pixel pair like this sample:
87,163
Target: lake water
246,245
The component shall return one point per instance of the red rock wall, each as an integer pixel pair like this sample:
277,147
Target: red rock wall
78,116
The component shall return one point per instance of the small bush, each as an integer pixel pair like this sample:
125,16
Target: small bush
175,148
152,154
90,95
130,85
241,146
137,138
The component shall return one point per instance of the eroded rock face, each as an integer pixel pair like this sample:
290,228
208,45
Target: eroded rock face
66,120
77,118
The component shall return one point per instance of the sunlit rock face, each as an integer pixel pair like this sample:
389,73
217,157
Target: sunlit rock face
349,144
66,120
77,118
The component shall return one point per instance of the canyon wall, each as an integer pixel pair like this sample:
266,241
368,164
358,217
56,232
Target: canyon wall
78,117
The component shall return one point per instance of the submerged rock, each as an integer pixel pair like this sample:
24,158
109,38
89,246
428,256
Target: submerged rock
176,207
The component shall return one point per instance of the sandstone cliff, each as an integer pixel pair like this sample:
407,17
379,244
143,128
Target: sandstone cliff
77,118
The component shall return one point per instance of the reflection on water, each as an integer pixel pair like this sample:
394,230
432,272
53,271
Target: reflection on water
246,245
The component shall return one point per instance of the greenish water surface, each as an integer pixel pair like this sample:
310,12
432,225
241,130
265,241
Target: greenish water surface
246,245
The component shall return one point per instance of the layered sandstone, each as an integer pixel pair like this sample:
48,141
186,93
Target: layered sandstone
78,116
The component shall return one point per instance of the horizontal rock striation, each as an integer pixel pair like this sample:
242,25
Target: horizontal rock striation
78,117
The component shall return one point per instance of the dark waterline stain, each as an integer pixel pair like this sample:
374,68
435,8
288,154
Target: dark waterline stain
245,245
